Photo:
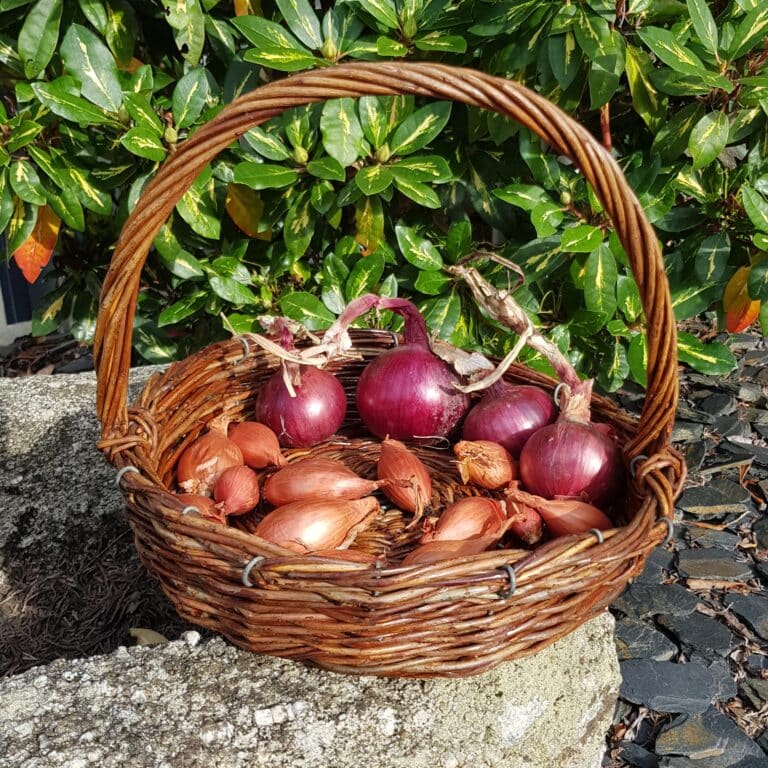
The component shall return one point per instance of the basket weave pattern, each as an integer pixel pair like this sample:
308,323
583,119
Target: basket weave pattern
452,618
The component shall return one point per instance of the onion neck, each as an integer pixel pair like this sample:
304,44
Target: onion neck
575,402
415,326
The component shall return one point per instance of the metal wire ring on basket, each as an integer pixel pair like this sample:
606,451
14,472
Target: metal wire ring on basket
442,619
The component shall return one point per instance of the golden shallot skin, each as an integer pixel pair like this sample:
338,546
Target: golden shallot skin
309,526
411,485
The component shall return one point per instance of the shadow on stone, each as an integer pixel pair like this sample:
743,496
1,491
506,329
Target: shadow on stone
71,583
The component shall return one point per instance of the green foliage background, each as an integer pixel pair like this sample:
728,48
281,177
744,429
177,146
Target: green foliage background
377,195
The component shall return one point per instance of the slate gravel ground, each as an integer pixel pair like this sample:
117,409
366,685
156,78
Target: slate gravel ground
692,630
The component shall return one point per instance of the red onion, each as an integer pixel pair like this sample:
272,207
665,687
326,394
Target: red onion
572,458
509,415
313,415
408,392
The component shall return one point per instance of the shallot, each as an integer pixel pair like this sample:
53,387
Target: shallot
205,506
258,443
410,486
205,459
443,549
309,526
485,463
237,490
468,518
317,478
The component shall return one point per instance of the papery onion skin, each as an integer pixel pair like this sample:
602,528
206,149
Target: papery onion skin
204,460
237,490
468,518
317,478
485,463
408,393
410,485
509,414
308,526
435,551
571,459
314,415
258,443
205,506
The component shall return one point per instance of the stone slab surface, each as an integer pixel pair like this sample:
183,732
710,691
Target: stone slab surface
208,704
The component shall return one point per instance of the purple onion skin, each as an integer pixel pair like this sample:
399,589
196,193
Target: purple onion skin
509,414
408,393
312,416
569,458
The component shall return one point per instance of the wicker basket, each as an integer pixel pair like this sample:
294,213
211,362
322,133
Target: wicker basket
453,618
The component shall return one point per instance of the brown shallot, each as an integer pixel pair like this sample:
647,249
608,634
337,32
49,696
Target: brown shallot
309,526
524,522
205,506
562,516
237,490
317,478
467,518
258,443
205,459
433,551
485,463
410,486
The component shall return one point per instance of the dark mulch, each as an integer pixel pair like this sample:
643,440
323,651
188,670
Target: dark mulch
57,353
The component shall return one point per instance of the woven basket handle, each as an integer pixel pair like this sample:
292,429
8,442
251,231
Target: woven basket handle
112,347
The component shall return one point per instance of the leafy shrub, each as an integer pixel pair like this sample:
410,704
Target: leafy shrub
330,201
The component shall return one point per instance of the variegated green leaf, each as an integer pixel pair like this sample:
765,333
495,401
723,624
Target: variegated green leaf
373,179
275,47
441,41
708,138
26,183
341,131
416,249
583,238
264,175
373,119
646,100
364,275
417,130
713,359
188,22
628,298
600,282
92,63
593,34
417,191
614,367
22,135
143,142
198,207
758,281
189,97
327,168
752,31
431,282
638,359
299,226
525,196
703,23
711,263
267,144
756,207
301,18
142,112
433,168
383,11
666,45
442,314
306,309
564,58
38,36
